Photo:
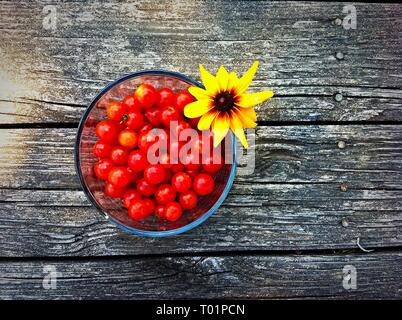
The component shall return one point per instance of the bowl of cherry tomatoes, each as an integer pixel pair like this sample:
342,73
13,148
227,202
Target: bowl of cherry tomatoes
143,164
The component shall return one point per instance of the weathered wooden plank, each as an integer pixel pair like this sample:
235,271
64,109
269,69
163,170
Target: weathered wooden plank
309,276
370,157
254,217
312,107
296,42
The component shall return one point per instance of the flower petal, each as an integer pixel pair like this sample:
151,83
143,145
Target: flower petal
197,108
246,79
199,93
220,127
233,82
248,100
247,122
206,120
237,127
249,113
209,81
222,77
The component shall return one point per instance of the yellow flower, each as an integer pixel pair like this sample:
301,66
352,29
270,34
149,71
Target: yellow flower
224,103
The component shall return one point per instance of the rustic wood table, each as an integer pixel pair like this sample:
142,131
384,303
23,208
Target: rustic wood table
321,217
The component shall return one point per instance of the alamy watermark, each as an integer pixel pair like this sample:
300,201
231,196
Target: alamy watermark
349,281
50,277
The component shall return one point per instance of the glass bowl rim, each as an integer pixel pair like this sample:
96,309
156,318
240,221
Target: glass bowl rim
89,195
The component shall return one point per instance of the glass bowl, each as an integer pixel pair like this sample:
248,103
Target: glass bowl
113,209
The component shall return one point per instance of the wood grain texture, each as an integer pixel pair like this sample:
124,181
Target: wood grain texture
304,185
309,276
95,43
371,157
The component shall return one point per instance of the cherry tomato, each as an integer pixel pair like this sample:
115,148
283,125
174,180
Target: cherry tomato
181,182
146,96
119,155
145,188
203,184
188,200
166,97
153,116
191,161
119,177
102,149
134,176
164,160
150,206
168,114
154,173
138,210
177,167
107,130
168,176
113,191
192,173
128,138
165,194
173,211
146,140
145,128
116,110
135,120
181,125
103,167
160,211
183,99
129,196
137,160
213,163
129,103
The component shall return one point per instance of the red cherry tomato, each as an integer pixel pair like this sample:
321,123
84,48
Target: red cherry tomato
168,114
183,99
146,96
135,120
203,184
129,196
119,155
134,176
181,125
166,97
168,176
146,140
213,163
107,130
129,103
192,173
137,160
145,128
153,115
164,160
177,167
150,206
188,200
128,138
145,188
102,149
194,122
116,110
138,210
191,161
165,194
160,212
113,191
154,173
173,211
181,182
103,167
119,177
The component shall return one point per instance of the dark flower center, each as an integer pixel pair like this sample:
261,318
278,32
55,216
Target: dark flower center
224,101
